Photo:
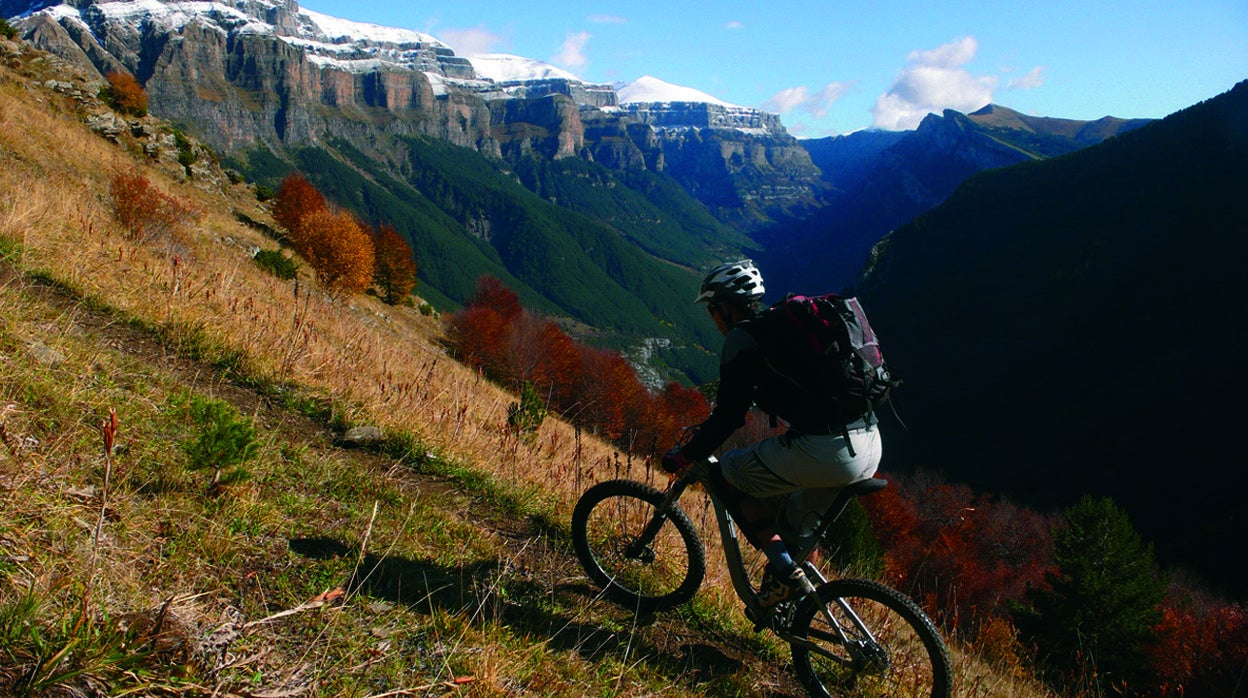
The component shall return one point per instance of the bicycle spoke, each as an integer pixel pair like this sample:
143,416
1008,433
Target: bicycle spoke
629,559
644,562
871,638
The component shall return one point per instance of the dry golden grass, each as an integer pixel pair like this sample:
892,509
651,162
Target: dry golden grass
374,363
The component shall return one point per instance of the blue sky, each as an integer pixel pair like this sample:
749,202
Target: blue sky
834,67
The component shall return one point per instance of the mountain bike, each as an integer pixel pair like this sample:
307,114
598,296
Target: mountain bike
848,637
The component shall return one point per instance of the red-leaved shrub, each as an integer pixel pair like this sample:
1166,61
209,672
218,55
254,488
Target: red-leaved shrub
145,212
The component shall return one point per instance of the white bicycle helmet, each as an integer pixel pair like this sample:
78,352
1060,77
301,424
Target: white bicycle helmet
734,282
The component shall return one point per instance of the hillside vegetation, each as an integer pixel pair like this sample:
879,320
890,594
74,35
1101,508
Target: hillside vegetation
466,217
430,561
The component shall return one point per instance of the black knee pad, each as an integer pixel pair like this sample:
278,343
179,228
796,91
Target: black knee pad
726,491
732,497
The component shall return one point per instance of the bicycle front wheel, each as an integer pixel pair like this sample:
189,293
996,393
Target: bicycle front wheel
869,640
643,563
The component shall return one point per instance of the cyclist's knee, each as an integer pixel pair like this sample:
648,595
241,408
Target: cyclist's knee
727,492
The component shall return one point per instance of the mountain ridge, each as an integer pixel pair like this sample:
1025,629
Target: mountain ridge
1068,324
897,177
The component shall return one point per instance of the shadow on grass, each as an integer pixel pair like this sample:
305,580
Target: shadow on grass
490,592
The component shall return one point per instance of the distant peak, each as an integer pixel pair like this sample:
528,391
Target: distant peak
649,89
991,109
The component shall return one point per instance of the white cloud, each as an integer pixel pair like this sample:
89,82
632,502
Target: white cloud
1033,79
572,52
933,81
734,24
470,42
787,100
802,99
607,19
952,55
823,99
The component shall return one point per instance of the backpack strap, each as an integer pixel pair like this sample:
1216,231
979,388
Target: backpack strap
848,443
868,419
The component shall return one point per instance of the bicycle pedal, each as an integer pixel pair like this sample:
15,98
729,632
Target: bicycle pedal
762,619
773,619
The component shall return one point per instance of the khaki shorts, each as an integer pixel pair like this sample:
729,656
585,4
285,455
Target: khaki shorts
809,469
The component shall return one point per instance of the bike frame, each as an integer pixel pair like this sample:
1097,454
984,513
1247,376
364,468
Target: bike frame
700,472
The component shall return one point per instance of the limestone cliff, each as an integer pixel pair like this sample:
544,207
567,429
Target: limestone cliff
244,72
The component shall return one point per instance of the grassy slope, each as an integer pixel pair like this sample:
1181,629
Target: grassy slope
122,574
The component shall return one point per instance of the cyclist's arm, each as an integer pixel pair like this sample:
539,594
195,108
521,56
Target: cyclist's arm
738,372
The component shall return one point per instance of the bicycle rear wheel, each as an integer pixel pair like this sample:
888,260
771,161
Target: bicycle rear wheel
891,647
643,572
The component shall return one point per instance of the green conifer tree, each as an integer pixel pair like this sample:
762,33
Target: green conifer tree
527,415
1094,623
224,441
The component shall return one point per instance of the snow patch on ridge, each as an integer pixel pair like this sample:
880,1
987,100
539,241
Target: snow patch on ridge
649,90
504,67
336,29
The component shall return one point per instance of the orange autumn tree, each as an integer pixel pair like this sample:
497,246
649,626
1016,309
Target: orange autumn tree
125,93
395,272
295,199
479,335
966,557
558,365
610,395
491,293
339,248
524,363
346,253
1202,644
678,407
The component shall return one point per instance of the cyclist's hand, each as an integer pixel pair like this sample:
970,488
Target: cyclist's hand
674,461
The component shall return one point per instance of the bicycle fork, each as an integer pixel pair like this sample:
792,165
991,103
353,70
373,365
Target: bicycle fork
640,549
865,652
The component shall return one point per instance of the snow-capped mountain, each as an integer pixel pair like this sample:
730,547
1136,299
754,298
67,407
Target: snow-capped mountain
359,47
241,73
505,68
651,90
663,105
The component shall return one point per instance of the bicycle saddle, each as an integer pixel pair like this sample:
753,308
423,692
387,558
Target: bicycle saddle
857,489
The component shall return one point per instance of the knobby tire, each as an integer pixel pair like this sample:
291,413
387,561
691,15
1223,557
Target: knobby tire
606,523
909,657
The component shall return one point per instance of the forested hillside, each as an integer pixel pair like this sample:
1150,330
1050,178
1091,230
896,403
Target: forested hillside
466,218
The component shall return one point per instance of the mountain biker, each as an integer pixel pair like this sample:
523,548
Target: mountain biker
785,480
